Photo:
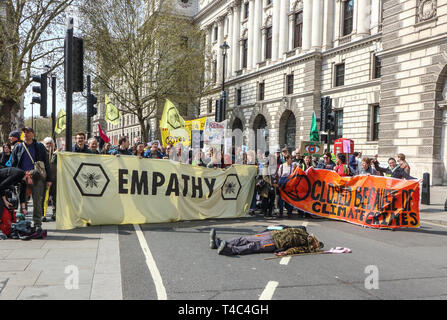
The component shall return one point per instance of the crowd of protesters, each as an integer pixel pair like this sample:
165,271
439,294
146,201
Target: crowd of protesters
273,168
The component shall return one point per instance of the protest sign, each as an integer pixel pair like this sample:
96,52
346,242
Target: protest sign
377,202
102,190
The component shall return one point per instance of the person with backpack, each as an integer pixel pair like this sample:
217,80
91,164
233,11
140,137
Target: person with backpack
284,171
31,156
341,168
9,177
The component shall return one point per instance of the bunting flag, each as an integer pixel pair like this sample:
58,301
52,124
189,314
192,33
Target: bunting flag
60,122
314,133
173,126
103,136
112,116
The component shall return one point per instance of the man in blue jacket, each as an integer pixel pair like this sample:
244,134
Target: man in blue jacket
21,159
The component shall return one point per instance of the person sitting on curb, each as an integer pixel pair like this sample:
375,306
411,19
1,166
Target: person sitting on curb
283,242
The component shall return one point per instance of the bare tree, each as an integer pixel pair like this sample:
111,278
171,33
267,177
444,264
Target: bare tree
28,36
141,53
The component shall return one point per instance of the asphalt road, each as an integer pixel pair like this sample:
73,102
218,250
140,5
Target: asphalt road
383,264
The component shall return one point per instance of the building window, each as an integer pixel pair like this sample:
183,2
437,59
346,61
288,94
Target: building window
338,124
375,113
377,67
268,43
261,91
244,53
340,75
238,97
210,106
298,32
290,84
216,33
348,10
246,10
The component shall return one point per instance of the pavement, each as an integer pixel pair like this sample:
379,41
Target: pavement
85,264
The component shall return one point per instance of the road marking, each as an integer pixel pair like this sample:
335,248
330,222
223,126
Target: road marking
158,281
434,224
305,224
269,290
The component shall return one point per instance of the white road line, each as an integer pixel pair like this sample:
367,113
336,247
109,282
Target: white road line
269,290
305,224
434,224
159,287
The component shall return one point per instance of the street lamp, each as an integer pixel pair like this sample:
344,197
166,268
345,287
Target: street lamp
224,48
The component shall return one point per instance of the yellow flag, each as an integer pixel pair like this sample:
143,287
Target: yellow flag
60,122
172,126
113,115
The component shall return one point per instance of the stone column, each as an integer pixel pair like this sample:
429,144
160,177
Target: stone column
283,29
264,41
220,40
328,24
317,24
208,50
337,23
235,46
307,25
229,58
257,33
291,30
275,29
363,17
251,20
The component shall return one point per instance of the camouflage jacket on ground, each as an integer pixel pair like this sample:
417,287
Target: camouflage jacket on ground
294,241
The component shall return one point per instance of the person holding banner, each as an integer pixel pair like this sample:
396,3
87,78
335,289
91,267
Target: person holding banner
285,170
139,150
366,168
327,162
93,146
265,188
393,171
341,168
123,148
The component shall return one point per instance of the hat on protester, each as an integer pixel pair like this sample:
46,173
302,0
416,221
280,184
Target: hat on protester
29,129
15,134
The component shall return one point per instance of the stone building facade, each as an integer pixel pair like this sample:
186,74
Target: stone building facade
383,62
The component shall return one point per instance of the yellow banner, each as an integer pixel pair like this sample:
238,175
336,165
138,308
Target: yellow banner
172,126
106,190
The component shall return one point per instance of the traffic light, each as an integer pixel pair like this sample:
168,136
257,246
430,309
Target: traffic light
91,109
323,115
219,105
42,90
78,65
331,122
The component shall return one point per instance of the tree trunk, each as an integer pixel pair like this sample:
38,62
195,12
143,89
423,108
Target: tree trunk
144,133
7,107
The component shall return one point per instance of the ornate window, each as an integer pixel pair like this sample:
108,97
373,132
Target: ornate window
298,30
348,17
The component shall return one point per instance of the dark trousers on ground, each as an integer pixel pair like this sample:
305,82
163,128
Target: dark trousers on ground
268,204
250,244
282,204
